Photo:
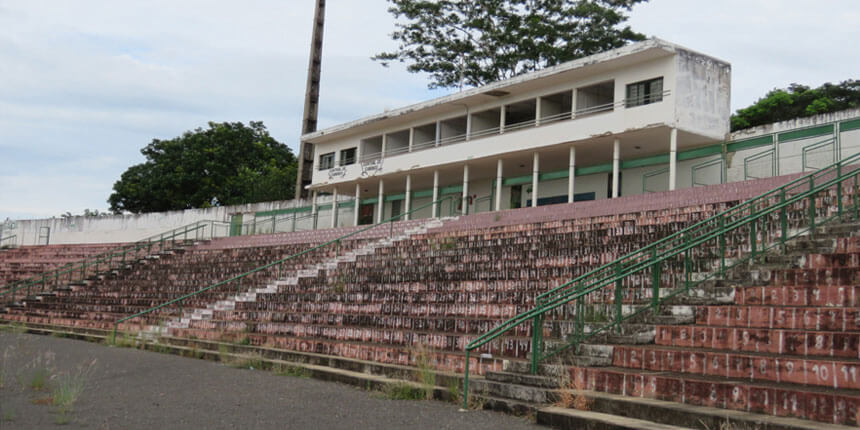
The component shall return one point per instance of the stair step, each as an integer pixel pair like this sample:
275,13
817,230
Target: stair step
563,418
524,379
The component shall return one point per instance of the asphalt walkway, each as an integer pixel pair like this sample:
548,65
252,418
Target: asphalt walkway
132,389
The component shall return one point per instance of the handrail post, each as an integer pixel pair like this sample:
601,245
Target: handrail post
783,220
537,341
618,296
722,226
688,263
811,208
753,235
466,382
839,190
655,279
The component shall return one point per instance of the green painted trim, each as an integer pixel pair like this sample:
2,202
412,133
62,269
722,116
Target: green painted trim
422,194
517,180
851,124
453,189
701,152
754,142
551,176
645,161
348,204
591,170
369,201
282,211
395,197
325,207
806,132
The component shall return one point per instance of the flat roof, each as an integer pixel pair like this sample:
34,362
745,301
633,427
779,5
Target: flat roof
636,52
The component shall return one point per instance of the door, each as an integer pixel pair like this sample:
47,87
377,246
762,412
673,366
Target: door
236,225
365,214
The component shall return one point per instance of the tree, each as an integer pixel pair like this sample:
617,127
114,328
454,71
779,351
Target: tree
226,164
798,101
474,42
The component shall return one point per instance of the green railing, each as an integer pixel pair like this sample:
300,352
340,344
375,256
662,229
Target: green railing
687,258
107,261
275,266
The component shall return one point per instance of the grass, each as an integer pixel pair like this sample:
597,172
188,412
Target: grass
68,387
294,371
454,392
124,341
426,373
402,390
14,327
570,394
9,415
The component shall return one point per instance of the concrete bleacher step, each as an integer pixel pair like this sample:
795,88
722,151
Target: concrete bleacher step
564,418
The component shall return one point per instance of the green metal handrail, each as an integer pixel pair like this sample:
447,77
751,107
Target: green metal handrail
748,221
106,261
238,278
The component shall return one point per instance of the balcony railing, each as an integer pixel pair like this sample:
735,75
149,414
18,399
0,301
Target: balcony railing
538,122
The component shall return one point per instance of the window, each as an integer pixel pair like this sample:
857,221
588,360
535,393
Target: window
347,157
327,161
645,92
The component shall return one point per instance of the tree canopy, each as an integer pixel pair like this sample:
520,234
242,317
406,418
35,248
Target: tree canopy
798,101
226,164
475,42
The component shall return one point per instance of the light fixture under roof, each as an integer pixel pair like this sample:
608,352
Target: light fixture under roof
497,93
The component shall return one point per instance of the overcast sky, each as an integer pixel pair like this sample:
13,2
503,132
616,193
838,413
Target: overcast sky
85,84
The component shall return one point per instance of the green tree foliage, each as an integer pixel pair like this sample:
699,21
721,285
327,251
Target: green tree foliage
482,41
798,101
226,164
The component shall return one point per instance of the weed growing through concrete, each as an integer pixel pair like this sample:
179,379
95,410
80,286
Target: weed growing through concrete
404,391
9,415
36,374
67,389
121,341
570,395
426,372
294,371
454,392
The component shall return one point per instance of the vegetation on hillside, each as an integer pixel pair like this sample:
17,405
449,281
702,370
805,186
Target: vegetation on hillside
798,101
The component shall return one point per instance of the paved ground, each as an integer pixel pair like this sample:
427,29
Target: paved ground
133,389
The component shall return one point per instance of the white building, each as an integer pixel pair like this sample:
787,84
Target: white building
582,130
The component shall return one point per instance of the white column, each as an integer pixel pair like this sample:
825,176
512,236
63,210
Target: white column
314,210
408,197
616,166
468,126
502,115
499,166
438,133
465,208
384,144
537,111
380,202
573,103
535,174
673,159
357,204
411,138
435,206
334,208
571,172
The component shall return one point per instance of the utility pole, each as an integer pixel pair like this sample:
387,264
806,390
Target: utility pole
312,98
